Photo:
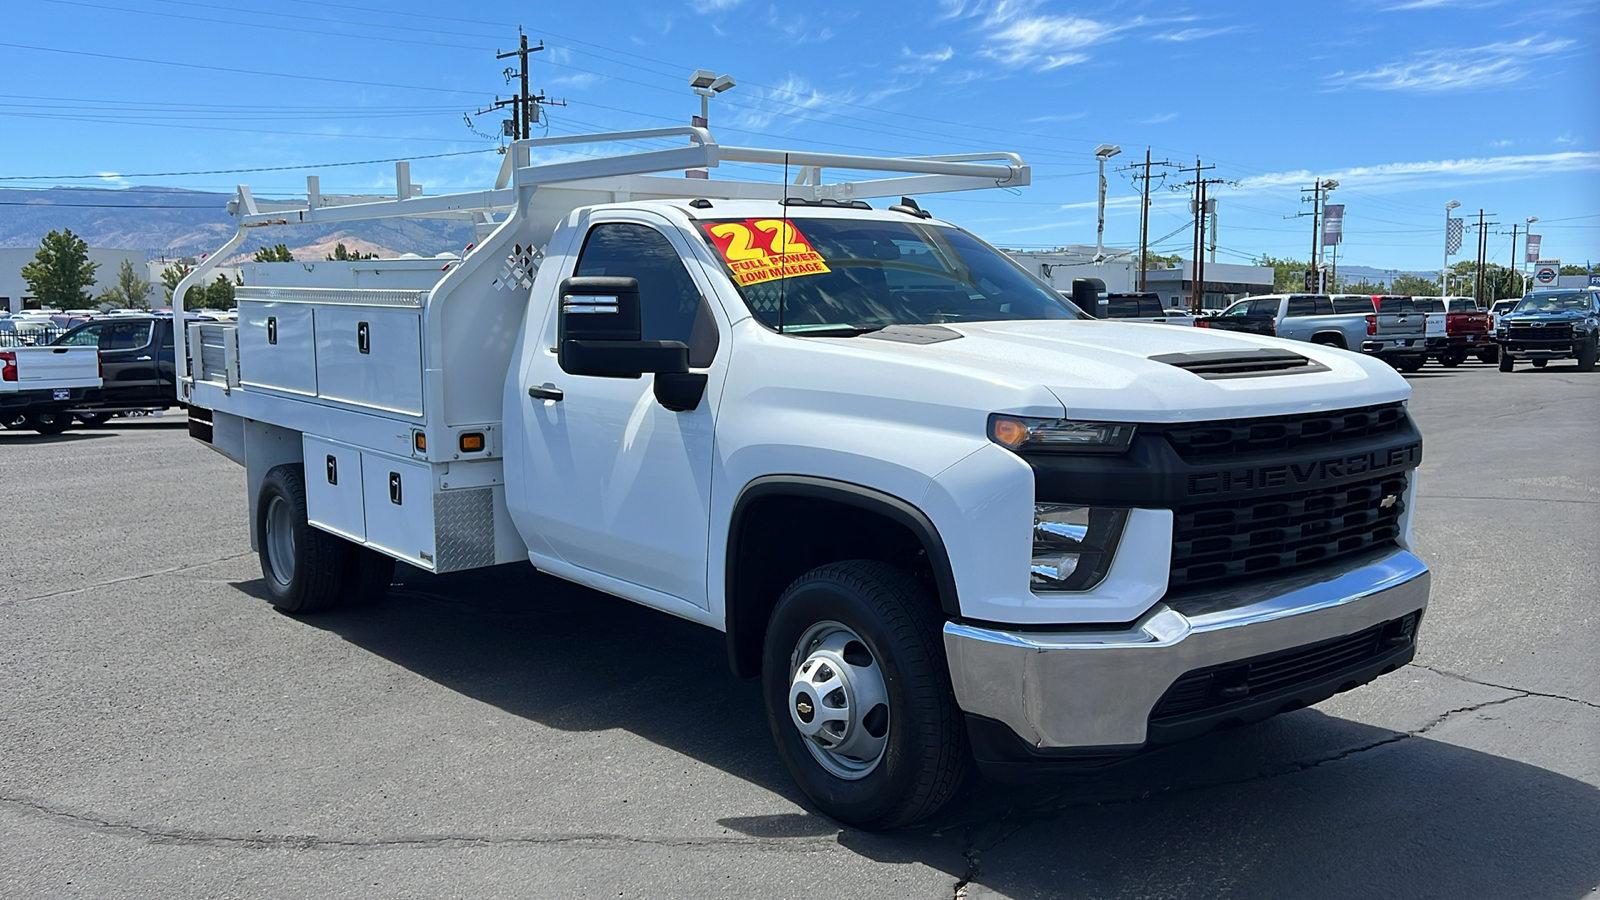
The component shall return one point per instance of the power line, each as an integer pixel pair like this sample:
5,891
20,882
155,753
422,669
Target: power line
183,65
334,165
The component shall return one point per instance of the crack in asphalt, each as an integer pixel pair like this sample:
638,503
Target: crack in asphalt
972,850
1506,687
127,578
587,840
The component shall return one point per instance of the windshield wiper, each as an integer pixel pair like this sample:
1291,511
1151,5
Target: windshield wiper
834,330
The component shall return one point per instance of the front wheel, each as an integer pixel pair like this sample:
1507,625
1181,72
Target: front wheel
1587,354
1506,361
1490,356
858,695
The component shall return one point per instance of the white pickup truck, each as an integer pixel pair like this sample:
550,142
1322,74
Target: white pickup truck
38,385
940,513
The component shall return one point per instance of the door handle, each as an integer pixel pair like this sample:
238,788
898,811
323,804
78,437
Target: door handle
141,359
546,391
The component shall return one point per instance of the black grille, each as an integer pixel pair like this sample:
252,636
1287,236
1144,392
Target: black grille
1234,539
1281,432
1240,364
1555,331
1220,686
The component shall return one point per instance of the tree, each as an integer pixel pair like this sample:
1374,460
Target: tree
1580,270
1287,274
216,295
1415,286
130,291
61,274
1157,261
1370,288
341,254
173,274
276,253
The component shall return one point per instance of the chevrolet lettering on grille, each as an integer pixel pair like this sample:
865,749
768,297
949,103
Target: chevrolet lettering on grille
1299,474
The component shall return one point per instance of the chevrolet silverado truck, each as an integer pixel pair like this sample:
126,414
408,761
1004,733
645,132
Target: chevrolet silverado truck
941,514
1465,331
40,385
136,366
1546,325
1391,332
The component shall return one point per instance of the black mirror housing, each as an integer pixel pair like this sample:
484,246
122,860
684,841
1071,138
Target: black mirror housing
599,331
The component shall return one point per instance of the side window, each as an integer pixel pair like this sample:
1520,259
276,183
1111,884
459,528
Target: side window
1352,304
1122,308
1150,308
672,308
88,336
1302,306
125,336
1265,306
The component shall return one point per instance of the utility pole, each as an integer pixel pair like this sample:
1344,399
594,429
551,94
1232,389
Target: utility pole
1482,263
1198,277
1144,210
525,105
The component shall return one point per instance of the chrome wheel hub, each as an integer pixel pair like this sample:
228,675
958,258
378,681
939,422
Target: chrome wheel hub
838,700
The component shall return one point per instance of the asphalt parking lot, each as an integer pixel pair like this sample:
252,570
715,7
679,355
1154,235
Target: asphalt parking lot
165,733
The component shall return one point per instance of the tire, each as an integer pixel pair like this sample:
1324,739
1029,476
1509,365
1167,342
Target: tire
369,574
1540,363
1451,360
94,420
1328,340
1489,356
48,422
1506,361
878,624
1587,353
1411,363
303,567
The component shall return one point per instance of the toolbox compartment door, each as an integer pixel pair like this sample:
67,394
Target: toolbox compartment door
334,488
370,356
398,503
277,344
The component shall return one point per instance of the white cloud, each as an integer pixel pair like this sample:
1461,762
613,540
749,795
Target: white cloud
795,97
1018,38
1405,175
1433,71
1157,120
713,6
1196,34
924,63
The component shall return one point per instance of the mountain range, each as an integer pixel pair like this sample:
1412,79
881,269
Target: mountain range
172,223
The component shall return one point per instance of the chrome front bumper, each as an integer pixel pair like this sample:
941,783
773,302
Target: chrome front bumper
1088,689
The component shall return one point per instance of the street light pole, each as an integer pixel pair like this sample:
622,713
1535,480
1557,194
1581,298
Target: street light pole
1102,153
1444,273
707,84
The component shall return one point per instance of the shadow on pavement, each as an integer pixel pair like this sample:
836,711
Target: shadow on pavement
20,437
1304,805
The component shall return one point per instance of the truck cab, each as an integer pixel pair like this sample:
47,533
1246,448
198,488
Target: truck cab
945,517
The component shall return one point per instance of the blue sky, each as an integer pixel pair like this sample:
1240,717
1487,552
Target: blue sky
1408,103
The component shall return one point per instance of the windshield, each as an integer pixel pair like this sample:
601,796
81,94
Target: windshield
1573,301
818,275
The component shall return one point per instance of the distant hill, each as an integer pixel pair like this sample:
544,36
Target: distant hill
168,222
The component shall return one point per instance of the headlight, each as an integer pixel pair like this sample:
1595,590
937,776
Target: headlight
1073,545
1063,435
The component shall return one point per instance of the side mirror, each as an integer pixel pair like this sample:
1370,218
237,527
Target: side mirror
599,332
1086,294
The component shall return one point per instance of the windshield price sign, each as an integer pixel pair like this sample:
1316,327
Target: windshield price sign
758,250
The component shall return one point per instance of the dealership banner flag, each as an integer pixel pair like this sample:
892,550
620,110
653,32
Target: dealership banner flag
1332,224
1533,247
1452,237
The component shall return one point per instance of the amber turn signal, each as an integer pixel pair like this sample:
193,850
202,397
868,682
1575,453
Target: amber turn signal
472,442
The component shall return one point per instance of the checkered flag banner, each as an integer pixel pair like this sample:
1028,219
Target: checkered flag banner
1452,237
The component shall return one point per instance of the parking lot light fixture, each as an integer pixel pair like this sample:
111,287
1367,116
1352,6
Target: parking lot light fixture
1102,153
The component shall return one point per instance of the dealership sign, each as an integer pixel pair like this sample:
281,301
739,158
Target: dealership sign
1546,271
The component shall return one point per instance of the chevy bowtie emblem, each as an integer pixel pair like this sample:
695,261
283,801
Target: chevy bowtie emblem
803,707
1537,324
1389,501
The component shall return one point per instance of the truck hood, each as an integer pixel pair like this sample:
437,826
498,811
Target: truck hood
1105,370
1563,316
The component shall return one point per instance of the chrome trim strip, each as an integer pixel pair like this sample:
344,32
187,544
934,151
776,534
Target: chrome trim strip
351,296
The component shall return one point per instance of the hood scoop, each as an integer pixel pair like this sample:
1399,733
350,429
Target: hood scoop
1214,365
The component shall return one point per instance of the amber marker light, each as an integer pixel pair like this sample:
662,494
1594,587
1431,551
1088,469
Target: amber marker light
419,440
1008,432
472,442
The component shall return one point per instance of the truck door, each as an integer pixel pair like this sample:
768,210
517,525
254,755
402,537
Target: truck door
617,483
127,358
